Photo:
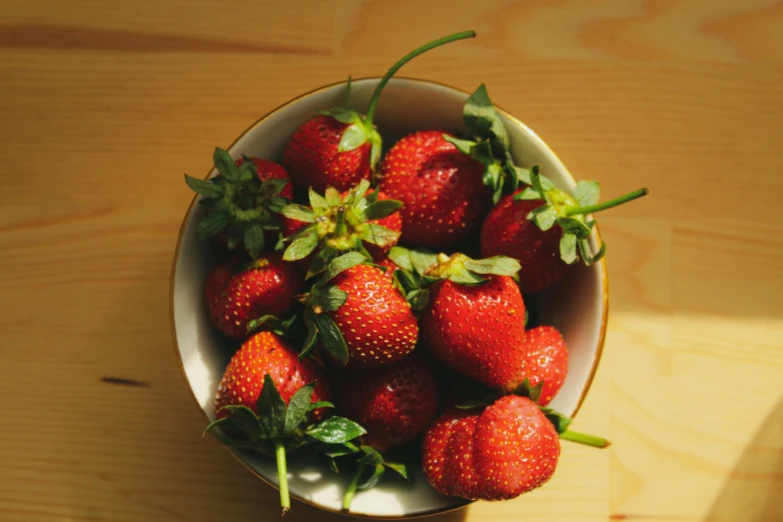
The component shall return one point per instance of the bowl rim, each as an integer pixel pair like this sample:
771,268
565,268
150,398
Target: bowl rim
172,277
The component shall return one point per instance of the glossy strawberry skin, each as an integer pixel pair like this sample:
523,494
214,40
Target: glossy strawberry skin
506,231
394,403
387,263
477,330
546,360
266,353
516,448
312,159
439,461
238,291
499,453
375,321
444,197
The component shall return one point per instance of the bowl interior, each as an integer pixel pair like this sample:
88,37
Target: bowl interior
575,306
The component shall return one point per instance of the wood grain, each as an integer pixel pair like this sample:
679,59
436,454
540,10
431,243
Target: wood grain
104,105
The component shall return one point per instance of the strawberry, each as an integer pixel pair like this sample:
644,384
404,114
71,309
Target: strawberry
388,264
265,353
545,228
505,450
357,313
339,148
444,198
508,447
448,185
546,362
242,201
474,319
269,402
507,231
317,156
337,223
394,403
237,292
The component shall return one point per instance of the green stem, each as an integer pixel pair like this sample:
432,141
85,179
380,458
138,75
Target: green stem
583,438
282,476
607,204
351,491
341,228
405,59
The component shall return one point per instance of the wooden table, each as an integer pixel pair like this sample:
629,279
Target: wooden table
103,106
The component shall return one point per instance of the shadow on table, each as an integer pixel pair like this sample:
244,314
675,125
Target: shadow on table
753,491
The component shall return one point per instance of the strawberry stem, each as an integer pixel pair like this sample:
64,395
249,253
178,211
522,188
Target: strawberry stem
405,59
607,204
583,438
341,229
282,476
351,491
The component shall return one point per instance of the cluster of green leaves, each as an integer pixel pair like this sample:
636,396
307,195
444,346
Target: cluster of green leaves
238,203
560,209
490,144
359,130
372,462
289,327
415,275
338,224
275,422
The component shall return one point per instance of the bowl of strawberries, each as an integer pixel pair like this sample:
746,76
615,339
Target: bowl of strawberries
389,298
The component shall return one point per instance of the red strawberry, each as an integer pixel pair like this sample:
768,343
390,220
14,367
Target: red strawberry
387,263
358,315
393,403
315,159
507,232
340,148
444,198
522,226
267,354
375,321
508,449
242,201
237,292
264,400
546,361
474,320
337,223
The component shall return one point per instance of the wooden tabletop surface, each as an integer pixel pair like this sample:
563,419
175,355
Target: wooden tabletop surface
104,105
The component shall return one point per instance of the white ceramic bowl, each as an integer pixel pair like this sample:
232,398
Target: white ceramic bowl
577,306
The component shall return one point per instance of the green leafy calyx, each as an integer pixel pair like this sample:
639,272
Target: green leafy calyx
569,212
371,469
461,269
338,224
238,203
490,144
273,428
419,270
